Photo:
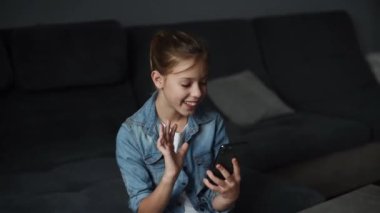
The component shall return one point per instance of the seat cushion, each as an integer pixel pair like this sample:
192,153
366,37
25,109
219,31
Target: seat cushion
362,106
263,193
225,41
95,185
66,55
89,185
296,137
5,67
313,57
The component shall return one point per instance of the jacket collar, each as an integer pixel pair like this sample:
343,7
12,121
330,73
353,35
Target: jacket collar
147,117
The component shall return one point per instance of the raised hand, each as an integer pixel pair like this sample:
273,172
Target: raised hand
173,160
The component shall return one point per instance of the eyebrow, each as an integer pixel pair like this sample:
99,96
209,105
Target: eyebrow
187,78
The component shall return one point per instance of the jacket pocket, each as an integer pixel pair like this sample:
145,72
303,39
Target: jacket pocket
156,165
203,160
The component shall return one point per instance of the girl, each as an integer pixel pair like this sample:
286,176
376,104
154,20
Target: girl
165,149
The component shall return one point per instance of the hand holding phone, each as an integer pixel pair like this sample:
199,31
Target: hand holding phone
224,157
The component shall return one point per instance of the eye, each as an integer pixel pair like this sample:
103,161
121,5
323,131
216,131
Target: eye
185,85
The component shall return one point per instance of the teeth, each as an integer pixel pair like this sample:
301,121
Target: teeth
191,103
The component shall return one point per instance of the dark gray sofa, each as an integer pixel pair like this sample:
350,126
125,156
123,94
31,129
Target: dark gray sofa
336,82
65,89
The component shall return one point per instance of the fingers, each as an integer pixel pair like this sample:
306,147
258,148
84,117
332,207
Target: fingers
166,131
230,180
217,181
211,186
219,185
169,131
226,174
166,136
235,176
172,131
236,167
160,142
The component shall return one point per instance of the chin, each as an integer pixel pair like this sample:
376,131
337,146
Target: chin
187,112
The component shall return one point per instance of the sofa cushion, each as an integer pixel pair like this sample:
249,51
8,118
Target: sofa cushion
95,185
65,55
244,99
40,130
89,185
362,106
296,137
318,52
5,67
263,193
224,39
104,196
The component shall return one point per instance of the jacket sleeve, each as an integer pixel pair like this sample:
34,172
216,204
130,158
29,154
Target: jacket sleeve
132,167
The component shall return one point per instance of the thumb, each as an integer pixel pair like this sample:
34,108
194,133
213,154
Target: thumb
182,151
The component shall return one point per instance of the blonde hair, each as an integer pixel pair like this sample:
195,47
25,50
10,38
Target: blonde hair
167,48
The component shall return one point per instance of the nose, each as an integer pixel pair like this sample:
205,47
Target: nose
196,91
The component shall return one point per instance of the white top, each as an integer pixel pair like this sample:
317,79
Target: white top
177,142
187,204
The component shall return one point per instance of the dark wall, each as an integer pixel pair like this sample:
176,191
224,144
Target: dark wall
136,12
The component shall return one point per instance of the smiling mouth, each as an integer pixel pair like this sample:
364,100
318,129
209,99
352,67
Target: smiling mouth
191,103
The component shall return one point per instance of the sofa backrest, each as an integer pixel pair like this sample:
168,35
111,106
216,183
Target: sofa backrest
312,57
66,55
5,66
231,43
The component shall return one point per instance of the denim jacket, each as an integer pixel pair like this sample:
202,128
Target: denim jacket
142,164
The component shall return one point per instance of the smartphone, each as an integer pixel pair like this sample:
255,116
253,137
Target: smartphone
224,157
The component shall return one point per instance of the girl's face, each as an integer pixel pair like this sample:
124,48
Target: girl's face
182,90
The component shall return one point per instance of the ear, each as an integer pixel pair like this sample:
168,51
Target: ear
157,79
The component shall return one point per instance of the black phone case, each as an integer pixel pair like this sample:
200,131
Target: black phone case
224,157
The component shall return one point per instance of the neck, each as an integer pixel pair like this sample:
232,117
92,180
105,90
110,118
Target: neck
166,114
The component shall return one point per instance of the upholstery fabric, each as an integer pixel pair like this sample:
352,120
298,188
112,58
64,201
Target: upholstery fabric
244,99
260,192
69,55
297,137
317,52
95,185
44,129
362,106
89,185
5,67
